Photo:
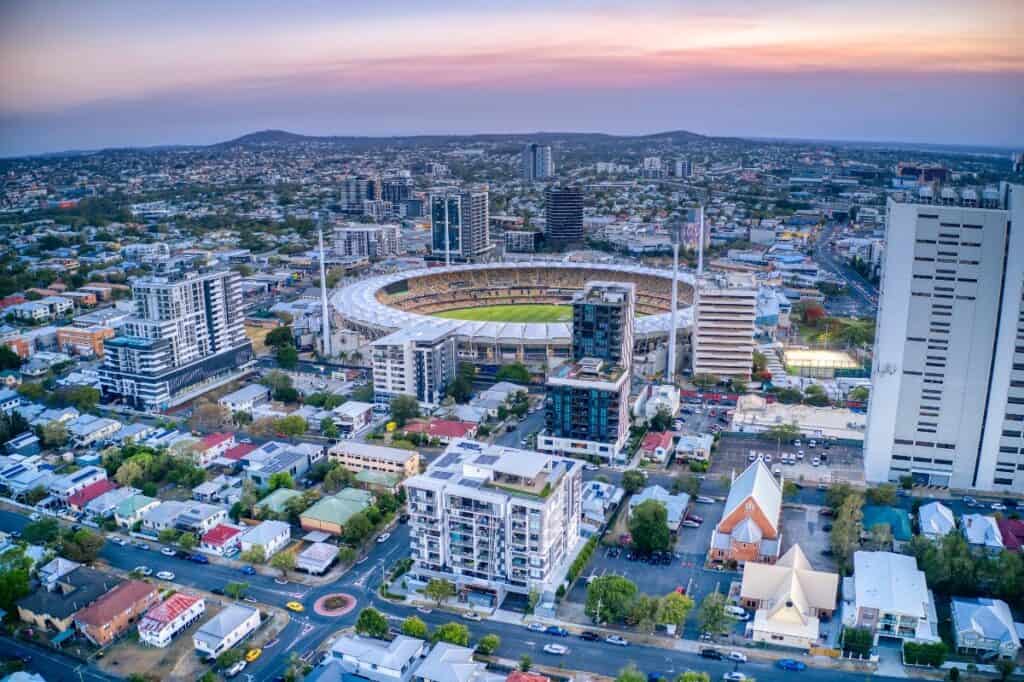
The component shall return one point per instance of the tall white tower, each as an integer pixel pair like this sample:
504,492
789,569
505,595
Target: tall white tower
324,313
670,369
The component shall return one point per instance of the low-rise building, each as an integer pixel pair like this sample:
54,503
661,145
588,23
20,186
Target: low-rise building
269,536
754,414
750,527
89,493
451,663
364,457
936,520
89,429
112,614
54,607
694,446
986,627
226,629
332,513
63,487
982,533
656,446
198,517
316,558
246,399
276,501
443,430
162,516
377,659
1012,531
213,446
788,598
675,505
352,416
130,511
165,620
221,539
83,341
890,598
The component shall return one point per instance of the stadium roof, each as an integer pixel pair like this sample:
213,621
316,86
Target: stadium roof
358,303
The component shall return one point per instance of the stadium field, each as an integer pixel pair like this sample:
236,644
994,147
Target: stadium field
530,312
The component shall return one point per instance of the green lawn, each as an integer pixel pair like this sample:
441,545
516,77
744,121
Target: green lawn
530,312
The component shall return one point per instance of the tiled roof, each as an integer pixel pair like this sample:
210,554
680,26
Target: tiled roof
239,451
657,439
118,600
1012,531
220,534
168,610
91,492
444,428
215,439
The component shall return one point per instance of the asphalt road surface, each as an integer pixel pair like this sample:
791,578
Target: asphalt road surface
863,293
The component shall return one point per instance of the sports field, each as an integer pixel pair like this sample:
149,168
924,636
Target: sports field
530,312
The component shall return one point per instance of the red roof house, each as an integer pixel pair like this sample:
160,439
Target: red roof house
657,445
239,451
213,446
442,429
221,538
1012,531
90,493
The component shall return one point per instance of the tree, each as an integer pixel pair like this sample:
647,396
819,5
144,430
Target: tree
82,398
291,426
9,359
414,627
525,663
283,561
694,676
54,434
705,381
738,386
187,541
644,612
846,531
439,589
783,433
128,474
328,429
372,623
229,658
884,494
837,494
760,363
236,590
813,313
673,609
633,481
630,674
858,393
1005,667
488,644
14,578
82,546
661,421
287,357
347,555
648,526
609,598
515,372
337,478
280,336
41,532
686,483
789,490
712,616
281,479
357,529
254,555
881,537
460,389
453,633
276,381
209,416
404,408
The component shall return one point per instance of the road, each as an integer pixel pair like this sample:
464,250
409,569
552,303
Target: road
863,293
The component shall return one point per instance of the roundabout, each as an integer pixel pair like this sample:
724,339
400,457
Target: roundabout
334,605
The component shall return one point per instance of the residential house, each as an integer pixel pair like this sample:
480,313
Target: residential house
246,399
89,493
112,614
53,571
199,517
657,398
131,510
365,457
378,481
226,489
935,520
451,663
1012,531
656,446
316,558
985,627
63,487
221,540
599,500
750,526
211,447
55,608
377,659
982,533
694,446
165,620
163,516
9,400
443,430
276,458
226,629
675,505
89,429
106,504
789,598
270,536
353,416
332,513
276,501
890,598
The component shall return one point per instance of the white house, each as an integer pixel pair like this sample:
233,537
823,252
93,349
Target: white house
316,558
378,659
891,598
88,429
352,416
221,539
451,663
226,629
696,446
165,620
162,516
246,399
936,520
271,536
63,487
984,626
982,532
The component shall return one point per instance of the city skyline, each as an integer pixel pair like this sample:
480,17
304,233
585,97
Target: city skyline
120,75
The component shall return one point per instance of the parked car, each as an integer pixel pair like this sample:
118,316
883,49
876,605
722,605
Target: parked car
556,649
815,462
695,517
168,551
557,631
472,615
404,518
199,559
142,545
791,664
34,516
248,570
383,537
690,524
536,627
737,612
704,499
143,570
590,636
713,654
737,656
734,677
234,670
424,610
591,467
616,640
998,506
165,575
252,654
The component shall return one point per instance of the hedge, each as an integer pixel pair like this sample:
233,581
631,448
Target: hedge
924,654
581,559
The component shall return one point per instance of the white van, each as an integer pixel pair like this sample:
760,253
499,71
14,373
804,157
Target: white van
736,612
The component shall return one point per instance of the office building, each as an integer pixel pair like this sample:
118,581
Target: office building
187,333
462,216
947,398
419,362
564,215
587,405
495,520
537,163
723,337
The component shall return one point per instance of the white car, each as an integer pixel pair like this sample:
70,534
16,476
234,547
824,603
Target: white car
737,656
471,615
591,467
536,627
556,649
767,458
777,470
687,523
704,499
998,506
143,570
235,669
424,609
734,677
796,442
815,462
384,537
165,575
616,640
799,454
34,516
168,551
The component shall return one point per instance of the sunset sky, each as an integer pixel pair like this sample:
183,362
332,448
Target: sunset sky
110,73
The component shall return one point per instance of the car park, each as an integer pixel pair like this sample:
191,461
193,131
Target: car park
617,640
556,649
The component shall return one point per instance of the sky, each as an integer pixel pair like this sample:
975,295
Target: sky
115,73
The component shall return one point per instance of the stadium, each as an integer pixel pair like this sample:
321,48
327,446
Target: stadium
508,312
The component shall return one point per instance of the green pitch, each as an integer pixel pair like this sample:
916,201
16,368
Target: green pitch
531,312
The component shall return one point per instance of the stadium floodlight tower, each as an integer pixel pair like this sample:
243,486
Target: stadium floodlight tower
676,236
324,312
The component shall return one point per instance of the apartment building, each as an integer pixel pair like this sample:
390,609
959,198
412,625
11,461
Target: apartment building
83,341
947,399
460,225
890,597
112,615
356,456
723,336
587,404
419,362
495,520
368,241
536,162
187,330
